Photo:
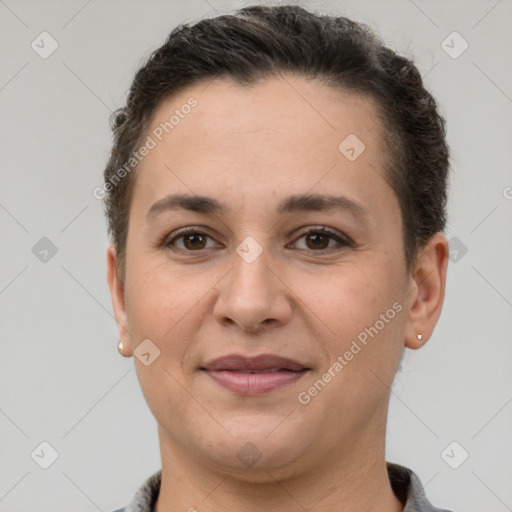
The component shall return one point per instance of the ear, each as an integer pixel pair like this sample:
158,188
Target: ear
426,291
118,300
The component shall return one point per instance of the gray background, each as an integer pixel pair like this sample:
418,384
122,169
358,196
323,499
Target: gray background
61,378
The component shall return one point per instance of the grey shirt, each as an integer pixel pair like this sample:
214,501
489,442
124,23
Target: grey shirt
405,484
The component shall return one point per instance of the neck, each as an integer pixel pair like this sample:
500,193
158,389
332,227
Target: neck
351,480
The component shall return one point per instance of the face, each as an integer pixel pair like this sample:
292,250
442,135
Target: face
265,263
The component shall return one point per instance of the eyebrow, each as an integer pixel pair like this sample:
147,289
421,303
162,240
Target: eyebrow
291,204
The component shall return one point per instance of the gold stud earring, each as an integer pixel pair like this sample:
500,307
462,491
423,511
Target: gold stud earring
120,348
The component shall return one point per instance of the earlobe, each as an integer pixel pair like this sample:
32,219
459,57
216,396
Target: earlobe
428,282
116,287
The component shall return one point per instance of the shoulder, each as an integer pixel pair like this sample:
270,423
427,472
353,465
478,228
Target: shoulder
146,495
409,490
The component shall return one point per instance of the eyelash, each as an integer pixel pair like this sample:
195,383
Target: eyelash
343,241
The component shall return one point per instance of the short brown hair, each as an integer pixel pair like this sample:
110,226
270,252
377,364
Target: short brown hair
262,41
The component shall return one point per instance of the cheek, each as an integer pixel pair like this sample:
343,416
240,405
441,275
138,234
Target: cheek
153,285
347,299
155,302
168,306
358,313
361,348
162,307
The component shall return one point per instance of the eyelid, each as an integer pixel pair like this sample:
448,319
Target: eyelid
178,233
339,237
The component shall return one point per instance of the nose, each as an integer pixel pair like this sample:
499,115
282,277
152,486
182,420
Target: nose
253,295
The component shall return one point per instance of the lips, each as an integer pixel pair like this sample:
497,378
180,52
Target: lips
254,375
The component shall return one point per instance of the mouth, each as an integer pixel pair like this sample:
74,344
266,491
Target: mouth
254,375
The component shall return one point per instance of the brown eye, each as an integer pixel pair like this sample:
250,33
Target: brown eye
194,241
189,240
322,240
317,240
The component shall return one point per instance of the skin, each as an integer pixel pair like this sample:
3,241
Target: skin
249,147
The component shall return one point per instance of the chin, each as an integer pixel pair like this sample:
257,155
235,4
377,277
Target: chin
256,447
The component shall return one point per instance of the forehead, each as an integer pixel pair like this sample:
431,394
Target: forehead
287,107
284,133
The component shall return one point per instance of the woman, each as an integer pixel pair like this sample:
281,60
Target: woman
276,197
